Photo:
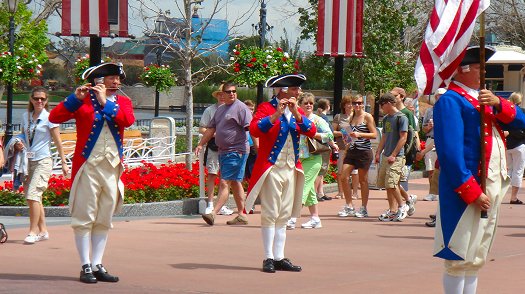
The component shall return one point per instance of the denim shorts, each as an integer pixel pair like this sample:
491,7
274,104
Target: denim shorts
232,166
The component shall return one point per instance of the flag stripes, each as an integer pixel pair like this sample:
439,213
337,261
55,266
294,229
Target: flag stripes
340,28
90,18
447,35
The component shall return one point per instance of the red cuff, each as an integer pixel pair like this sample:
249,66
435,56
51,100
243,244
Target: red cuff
508,111
469,191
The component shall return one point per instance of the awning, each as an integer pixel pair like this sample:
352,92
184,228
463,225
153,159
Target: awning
507,57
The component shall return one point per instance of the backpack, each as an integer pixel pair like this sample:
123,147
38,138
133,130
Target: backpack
410,147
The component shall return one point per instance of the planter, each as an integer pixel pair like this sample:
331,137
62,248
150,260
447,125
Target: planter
170,208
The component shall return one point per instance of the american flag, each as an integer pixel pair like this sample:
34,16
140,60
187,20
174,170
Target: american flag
102,18
447,36
340,28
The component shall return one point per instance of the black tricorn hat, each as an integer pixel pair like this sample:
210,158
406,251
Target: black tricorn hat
287,80
104,70
472,55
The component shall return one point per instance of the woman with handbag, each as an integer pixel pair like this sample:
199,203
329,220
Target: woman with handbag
310,155
359,154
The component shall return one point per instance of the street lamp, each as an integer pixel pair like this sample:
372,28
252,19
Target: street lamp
160,22
11,7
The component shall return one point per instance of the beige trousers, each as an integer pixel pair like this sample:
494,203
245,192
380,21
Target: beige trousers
483,233
96,199
277,196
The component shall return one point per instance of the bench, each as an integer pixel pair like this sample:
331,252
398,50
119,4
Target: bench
133,137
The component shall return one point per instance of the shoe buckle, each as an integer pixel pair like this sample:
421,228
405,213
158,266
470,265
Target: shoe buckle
88,270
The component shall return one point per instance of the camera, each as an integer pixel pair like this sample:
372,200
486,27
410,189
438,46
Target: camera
99,81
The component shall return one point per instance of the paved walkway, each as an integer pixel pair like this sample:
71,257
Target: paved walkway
183,255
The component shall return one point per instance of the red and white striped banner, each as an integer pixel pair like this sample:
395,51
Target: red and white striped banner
90,18
447,36
340,28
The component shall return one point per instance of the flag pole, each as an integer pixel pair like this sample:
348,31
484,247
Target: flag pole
483,127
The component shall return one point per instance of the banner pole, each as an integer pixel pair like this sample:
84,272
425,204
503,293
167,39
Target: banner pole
483,127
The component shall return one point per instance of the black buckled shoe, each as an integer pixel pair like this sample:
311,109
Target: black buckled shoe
268,266
102,275
86,274
286,265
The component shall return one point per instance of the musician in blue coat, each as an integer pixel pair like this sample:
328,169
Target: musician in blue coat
462,237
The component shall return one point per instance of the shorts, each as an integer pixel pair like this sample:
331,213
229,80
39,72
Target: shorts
360,159
325,164
232,165
340,162
212,162
37,180
389,174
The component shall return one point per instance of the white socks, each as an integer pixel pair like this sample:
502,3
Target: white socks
268,234
83,243
471,284
460,285
98,242
279,242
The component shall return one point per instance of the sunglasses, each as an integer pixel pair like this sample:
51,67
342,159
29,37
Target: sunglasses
308,103
357,103
38,99
230,91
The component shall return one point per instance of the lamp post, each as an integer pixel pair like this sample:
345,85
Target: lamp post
11,6
159,29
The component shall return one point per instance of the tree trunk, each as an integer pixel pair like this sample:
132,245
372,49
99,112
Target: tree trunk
188,91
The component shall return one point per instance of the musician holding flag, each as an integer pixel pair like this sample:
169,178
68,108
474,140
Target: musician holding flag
97,191
462,238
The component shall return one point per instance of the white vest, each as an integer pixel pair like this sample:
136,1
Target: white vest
105,148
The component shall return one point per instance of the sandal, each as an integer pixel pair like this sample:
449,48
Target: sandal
517,201
338,196
3,233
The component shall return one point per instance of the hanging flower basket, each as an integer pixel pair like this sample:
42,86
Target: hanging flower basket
251,65
159,77
14,68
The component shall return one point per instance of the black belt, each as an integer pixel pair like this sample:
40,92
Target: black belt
430,137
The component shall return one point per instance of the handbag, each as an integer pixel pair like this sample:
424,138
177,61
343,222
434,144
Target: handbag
316,147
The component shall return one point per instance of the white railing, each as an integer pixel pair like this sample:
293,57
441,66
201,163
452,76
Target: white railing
152,150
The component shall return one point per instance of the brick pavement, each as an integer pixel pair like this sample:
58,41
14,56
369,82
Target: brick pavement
183,255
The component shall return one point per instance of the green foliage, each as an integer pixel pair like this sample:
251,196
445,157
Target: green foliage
159,77
80,67
251,65
29,46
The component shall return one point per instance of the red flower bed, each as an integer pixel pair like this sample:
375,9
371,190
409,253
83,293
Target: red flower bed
148,183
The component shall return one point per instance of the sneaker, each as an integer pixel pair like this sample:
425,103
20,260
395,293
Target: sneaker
312,224
362,212
238,220
429,197
290,225
404,211
387,216
346,211
431,223
208,210
31,239
225,211
400,215
42,237
412,199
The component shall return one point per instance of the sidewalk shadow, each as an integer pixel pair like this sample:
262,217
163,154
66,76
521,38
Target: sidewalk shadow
35,277
406,237
193,266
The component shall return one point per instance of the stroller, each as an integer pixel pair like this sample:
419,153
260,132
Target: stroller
3,233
